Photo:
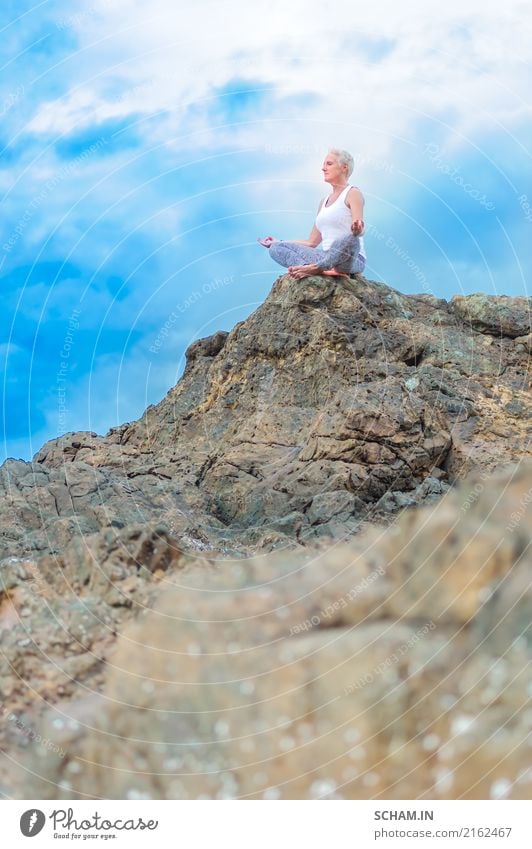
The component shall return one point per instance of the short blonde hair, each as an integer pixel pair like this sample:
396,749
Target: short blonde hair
344,158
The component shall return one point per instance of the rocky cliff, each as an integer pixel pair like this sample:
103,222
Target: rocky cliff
232,590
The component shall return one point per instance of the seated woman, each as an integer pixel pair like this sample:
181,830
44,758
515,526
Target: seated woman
337,230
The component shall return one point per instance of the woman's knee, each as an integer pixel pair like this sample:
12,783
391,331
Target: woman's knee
277,250
359,265
340,254
347,242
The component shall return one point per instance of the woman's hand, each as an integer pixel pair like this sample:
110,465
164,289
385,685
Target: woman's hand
357,227
267,241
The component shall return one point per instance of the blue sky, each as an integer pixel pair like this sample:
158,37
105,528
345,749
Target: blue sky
144,150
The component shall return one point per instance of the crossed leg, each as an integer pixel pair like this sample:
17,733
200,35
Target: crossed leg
302,260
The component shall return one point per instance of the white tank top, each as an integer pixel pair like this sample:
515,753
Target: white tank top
335,221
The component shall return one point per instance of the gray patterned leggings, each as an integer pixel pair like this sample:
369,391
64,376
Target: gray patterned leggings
342,255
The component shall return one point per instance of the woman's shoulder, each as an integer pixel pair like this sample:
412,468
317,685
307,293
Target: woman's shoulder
352,193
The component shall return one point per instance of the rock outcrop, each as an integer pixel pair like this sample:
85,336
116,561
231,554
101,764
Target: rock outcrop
227,597
334,404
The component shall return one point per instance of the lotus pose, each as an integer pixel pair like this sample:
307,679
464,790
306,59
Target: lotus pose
337,230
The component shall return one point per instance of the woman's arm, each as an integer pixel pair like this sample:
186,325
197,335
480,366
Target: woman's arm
312,242
355,202
315,236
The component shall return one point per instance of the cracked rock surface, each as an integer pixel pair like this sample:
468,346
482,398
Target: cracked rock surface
333,404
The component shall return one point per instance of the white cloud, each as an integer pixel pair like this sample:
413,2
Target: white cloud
449,62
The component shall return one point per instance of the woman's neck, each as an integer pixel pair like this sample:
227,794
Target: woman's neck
338,187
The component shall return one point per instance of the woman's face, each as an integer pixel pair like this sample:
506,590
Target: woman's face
333,172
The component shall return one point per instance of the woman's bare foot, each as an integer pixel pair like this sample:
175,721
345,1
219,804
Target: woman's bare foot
332,272
300,271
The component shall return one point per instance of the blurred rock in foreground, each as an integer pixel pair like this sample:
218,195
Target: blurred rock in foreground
394,666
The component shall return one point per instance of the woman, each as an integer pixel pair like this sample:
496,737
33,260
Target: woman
338,228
